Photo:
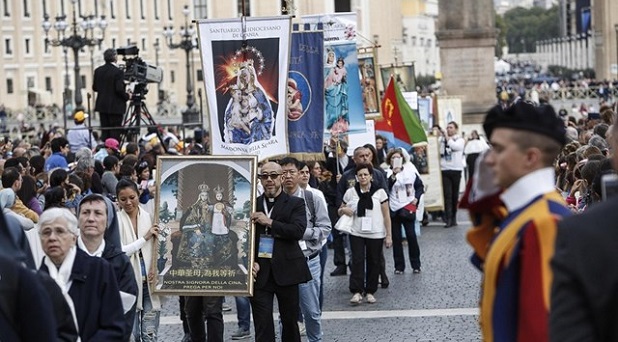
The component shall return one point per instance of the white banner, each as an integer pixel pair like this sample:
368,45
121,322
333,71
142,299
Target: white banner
245,63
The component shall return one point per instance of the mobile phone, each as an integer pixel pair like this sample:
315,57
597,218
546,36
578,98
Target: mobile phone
609,186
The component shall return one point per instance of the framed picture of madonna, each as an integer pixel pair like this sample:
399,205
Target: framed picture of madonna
205,245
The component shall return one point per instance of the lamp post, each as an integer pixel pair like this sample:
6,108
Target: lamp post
82,34
187,44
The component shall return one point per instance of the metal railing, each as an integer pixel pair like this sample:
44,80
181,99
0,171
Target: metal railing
577,93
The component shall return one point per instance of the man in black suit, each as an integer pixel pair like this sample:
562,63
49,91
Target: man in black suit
280,222
584,297
112,98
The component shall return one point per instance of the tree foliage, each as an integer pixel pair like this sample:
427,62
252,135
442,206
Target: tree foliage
524,27
501,39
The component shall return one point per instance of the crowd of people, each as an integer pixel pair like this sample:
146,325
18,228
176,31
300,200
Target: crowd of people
80,210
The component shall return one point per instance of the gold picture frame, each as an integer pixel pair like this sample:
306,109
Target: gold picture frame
206,242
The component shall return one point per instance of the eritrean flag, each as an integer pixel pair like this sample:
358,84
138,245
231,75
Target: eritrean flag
400,124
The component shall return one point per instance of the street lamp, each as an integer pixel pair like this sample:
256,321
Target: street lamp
86,27
186,43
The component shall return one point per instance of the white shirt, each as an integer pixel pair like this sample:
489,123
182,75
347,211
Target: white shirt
528,187
456,144
97,253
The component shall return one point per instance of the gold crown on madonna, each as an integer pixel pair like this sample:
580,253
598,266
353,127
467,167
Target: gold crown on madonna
203,187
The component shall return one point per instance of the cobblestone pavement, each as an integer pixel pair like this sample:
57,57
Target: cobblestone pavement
439,304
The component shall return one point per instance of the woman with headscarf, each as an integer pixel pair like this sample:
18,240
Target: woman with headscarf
136,235
367,203
88,284
7,200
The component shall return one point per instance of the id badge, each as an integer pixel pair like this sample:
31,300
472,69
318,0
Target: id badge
367,222
302,244
265,248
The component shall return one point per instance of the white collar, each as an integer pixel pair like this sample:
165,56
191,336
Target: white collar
97,253
528,187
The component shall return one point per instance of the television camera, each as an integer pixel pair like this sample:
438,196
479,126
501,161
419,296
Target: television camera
136,69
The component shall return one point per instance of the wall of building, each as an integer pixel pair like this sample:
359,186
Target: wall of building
604,21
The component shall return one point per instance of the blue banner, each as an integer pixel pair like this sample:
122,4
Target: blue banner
305,97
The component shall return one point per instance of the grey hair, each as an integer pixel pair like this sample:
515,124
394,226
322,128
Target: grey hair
84,163
83,152
52,214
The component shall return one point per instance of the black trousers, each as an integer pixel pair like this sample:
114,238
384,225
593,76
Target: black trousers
450,190
198,309
414,251
471,162
338,248
111,120
289,308
365,264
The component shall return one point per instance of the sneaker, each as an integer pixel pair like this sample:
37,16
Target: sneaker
226,307
357,298
302,329
241,334
417,270
370,298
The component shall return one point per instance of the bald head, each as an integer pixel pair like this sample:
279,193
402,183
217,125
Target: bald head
270,177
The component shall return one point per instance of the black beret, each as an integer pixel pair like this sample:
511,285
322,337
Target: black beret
526,117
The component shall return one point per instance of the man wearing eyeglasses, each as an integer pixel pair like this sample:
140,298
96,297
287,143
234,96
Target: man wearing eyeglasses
318,229
280,222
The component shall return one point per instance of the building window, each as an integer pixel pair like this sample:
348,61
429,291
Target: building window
200,75
172,77
421,42
114,43
9,86
8,50
343,6
112,14
82,81
247,5
26,12
156,9
169,9
201,9
141,9
143,44
27,45
413,41
429,42
5,5
127,9
48,84
30,82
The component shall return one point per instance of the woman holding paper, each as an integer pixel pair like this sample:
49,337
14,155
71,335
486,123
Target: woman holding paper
405,189
367,203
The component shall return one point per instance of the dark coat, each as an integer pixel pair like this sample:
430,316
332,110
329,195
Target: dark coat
288,265
109,85
126,281
26,312
584,299
96,298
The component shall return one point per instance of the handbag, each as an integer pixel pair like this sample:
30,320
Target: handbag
344,224
408,212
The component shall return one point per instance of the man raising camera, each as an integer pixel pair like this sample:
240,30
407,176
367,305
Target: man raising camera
112,98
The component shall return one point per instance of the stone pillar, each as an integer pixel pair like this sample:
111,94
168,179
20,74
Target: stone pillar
467,37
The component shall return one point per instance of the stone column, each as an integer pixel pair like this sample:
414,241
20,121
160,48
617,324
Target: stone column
467,36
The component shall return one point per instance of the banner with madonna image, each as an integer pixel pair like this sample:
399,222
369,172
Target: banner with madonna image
245,63
343,96
204,204
305,101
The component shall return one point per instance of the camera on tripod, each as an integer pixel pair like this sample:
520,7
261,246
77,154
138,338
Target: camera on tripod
136,69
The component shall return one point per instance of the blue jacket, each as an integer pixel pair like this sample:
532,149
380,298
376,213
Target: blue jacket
56,160
96,297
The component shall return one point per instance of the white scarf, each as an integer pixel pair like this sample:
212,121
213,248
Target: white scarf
62,277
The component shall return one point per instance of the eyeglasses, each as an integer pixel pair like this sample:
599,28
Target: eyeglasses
265,176
47,233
